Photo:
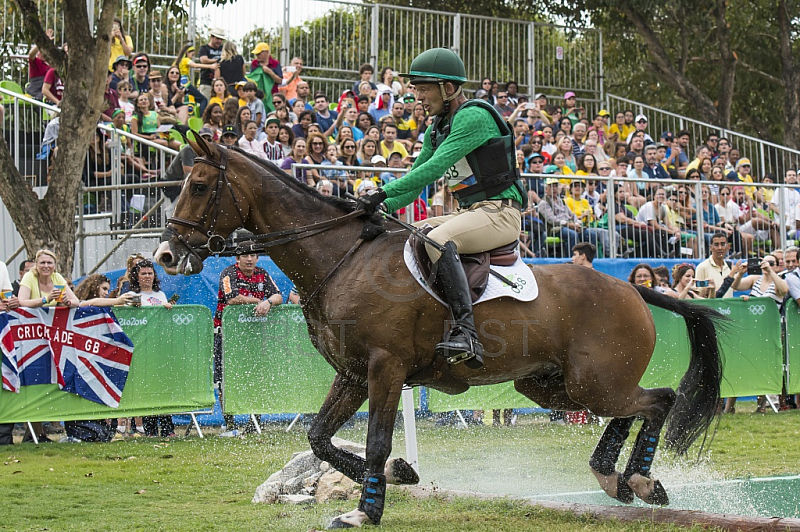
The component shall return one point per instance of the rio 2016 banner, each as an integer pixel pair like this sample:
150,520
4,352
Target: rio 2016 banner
792,347
270,365
170,371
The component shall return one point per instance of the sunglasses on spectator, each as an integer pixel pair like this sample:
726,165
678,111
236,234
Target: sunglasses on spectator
276,102
601,168
141,65
744,166
349,147
502,97
724,193
317,143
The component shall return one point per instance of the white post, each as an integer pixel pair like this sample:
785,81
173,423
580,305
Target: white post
256,423
410,425
196,425
33,433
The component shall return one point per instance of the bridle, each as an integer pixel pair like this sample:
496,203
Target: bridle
216,244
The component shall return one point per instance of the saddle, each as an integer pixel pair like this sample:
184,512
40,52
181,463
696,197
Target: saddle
476,265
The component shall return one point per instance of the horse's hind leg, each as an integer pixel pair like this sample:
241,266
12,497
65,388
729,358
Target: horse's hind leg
637,473
604,459
343,400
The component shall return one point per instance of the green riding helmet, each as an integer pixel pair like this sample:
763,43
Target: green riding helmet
437,65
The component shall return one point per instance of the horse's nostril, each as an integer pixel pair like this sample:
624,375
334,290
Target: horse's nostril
167,259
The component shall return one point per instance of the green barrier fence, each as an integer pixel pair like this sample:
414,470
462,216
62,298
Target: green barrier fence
170,371
271,367
792,347
751,345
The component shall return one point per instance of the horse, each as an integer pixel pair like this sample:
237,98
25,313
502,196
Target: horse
583,343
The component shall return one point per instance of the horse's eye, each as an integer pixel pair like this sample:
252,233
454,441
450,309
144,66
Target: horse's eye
199,189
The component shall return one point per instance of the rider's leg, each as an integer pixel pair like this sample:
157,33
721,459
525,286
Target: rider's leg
483,226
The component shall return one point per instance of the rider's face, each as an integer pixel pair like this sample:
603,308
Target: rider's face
431,98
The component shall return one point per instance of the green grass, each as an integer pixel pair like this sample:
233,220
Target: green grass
207,484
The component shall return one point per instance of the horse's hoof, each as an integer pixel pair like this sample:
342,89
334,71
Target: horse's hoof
658,495
624,492
398,471
338,523
353,519
614,486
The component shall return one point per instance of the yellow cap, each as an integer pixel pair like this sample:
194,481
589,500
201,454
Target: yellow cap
260,47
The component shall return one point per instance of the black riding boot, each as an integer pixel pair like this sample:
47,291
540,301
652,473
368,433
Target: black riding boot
461,341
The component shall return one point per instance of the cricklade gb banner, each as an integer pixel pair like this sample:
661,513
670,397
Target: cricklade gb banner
83,350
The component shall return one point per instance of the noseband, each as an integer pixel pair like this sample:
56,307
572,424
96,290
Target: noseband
215,242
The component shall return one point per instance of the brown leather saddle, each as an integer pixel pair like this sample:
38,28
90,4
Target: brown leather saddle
476,265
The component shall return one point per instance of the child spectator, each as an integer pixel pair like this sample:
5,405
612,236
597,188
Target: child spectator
271,148
257,111
124,94
248,143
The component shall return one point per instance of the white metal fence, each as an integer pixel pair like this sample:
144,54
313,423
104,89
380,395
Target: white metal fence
335,37
766,157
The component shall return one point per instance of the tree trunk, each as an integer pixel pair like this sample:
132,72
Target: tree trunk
791,79
51,222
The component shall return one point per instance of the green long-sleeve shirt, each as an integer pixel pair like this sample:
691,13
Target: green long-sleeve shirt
472,128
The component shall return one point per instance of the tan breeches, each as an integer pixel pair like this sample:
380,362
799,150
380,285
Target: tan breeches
483,226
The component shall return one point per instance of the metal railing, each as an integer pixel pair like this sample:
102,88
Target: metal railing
766,157
617,239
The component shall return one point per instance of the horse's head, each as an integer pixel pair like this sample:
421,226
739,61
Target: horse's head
210,207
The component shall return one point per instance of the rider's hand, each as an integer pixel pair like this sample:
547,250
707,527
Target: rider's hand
371,201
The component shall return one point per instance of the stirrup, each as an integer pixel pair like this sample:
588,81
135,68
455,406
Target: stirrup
468,352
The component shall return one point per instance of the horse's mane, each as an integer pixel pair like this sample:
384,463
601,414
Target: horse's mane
288,180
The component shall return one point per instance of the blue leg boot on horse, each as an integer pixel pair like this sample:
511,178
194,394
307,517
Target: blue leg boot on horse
460,343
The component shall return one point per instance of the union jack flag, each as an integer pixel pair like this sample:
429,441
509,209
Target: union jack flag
83,350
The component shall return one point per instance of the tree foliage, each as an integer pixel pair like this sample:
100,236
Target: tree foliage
719,61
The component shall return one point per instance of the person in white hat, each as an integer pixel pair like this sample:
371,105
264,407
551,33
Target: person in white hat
640,124
209,56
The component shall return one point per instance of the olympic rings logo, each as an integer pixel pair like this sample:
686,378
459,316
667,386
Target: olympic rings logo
757,309
182,319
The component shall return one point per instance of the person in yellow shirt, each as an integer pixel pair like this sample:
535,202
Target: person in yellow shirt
620,128
585,214
121,44
43,286
743,175
578,205
389,144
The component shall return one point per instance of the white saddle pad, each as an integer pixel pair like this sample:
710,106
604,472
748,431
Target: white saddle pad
518,273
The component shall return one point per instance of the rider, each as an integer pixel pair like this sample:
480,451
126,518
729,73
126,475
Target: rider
472,146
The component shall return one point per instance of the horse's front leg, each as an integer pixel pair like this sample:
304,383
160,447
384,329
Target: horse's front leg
386,378
343,400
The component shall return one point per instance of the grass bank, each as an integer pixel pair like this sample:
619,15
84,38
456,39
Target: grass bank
207,484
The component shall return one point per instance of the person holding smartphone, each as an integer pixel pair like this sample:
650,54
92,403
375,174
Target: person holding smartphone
687,287
121,44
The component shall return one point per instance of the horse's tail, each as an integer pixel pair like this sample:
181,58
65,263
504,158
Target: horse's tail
699,390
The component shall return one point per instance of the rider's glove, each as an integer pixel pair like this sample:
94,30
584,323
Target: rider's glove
372,200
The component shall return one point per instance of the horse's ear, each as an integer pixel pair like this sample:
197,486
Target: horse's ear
199,145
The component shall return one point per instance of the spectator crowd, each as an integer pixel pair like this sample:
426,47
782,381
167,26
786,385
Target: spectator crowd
271,112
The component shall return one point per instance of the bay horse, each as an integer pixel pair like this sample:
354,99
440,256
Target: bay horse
584,343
